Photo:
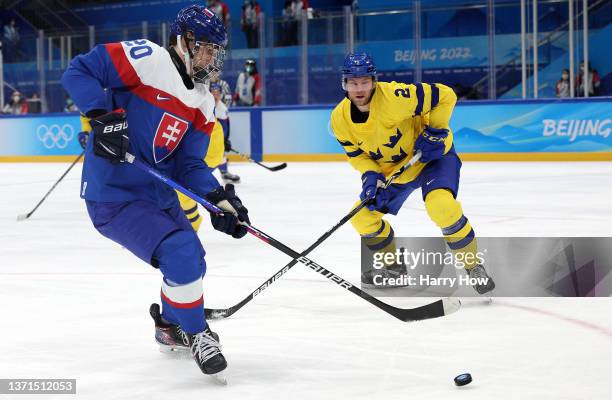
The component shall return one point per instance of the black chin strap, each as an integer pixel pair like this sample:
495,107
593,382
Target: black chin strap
181,68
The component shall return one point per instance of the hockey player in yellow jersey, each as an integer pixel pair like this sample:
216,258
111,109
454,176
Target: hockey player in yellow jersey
381,125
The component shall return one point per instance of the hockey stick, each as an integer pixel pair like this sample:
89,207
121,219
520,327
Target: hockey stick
273,169
226,312
436,309
21,217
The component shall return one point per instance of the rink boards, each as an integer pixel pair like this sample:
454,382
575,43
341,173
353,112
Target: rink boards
532,130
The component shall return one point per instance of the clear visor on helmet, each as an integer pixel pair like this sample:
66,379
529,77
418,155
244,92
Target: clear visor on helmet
346,77
207,60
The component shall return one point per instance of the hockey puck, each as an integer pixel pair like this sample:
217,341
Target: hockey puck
463,379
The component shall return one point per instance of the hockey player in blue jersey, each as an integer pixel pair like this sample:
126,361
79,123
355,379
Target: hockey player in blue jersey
152,102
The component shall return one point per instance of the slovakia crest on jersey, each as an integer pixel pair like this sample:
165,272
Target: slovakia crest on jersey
169,133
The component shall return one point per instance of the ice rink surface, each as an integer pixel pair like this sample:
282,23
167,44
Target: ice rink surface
75,305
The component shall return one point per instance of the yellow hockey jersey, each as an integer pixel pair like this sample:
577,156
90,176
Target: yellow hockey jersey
398,115
216,147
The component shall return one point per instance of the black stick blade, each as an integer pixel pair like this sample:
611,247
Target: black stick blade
278,167
436,309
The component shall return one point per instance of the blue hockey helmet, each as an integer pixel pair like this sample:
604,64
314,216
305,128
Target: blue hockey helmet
202,23
357,65
201,27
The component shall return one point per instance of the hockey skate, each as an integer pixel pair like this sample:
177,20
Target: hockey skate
206,351
379,278
170,338
484,283
230,178
204,347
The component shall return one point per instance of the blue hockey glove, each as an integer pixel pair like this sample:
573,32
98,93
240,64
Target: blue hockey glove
83,137
431,144
371,182
110,135
229,222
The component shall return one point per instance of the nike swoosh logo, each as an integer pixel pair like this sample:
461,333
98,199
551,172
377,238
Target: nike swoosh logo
160,98
359,143
427,183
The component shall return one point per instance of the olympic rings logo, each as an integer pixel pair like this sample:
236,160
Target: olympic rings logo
55,135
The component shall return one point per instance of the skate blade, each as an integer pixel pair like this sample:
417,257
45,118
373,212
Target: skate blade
175,351
219,378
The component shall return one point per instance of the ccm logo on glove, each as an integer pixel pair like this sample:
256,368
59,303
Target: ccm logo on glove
433,138
431,143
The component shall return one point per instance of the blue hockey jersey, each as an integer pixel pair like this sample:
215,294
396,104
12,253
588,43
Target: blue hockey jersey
169,125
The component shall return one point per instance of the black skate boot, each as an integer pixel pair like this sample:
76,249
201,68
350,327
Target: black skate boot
485,283
379,278
170,338
206,351
230,178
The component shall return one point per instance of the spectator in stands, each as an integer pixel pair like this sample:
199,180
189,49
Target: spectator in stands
249,22
11,41
17,105
591,83
300,7
292,13
222,11
248,86
69,105
289,24
34,104
562,88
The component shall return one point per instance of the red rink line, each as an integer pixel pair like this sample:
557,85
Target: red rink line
584,324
